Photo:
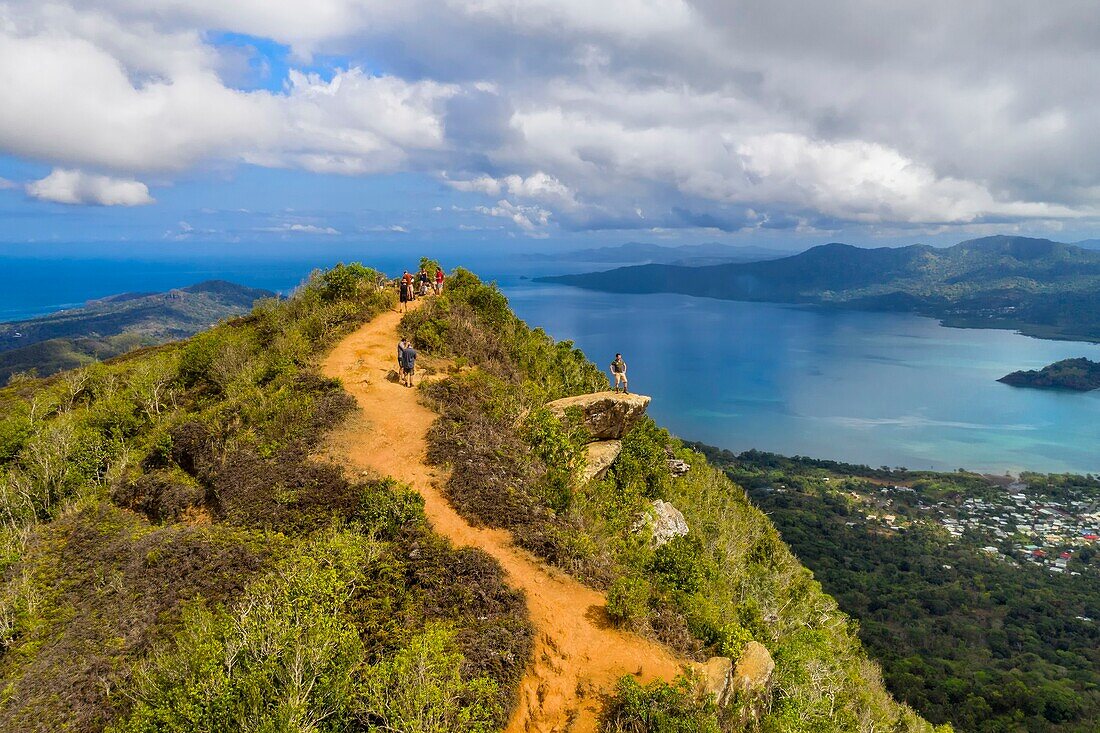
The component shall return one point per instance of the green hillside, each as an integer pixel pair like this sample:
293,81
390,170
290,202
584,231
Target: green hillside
1040,287
175,556
977,595
110,326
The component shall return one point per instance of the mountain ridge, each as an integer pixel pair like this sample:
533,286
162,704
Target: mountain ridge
106,327
1041,287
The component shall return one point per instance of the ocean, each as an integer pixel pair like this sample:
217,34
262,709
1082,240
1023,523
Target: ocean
874,388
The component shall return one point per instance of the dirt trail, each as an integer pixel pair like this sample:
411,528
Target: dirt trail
577,656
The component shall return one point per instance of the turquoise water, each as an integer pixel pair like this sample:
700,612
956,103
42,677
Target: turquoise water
874,388
881,389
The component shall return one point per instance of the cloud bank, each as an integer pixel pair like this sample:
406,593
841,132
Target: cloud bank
624,114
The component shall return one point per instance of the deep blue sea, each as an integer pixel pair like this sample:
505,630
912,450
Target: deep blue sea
875,388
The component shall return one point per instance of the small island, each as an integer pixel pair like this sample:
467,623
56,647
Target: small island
1079,375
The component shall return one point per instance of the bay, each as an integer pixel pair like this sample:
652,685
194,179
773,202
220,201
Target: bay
875,388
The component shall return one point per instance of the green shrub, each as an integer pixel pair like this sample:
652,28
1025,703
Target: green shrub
561,451
679,563
733,637
15,431
659,707
421,689
388,506
628,600
287,660
346,282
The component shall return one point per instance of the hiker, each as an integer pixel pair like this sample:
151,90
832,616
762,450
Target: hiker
423,282
618,368
408,365
401,346
405,293
439,281
407,278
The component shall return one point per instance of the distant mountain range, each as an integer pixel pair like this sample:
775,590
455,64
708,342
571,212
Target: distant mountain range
116,324
690,255
1043,288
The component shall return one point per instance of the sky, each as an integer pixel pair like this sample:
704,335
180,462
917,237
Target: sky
532,124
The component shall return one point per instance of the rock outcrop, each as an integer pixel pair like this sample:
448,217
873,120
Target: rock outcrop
678,467
754,668
599,456
750,678
665,522
716,679
605,415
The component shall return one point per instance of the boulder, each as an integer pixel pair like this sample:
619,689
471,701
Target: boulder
716,679
678,467
605,415
599,456
665,522
754,668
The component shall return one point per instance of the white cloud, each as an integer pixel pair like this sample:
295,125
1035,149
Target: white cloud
528,218
5,184
78,100
299,228
580,114
66,186
539,186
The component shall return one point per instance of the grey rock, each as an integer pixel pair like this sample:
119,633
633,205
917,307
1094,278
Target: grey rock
678,467
664,521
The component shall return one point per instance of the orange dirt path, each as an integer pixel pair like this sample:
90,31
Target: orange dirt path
577,656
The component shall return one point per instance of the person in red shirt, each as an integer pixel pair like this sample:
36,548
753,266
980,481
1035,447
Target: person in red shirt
439,281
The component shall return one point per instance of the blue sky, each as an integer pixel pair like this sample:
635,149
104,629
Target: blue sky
537,124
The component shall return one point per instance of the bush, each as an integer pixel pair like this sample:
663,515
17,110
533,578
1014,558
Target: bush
420,688
628,600
286,661
733,638
679,563
659,707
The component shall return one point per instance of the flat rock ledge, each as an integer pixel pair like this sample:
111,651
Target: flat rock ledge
605,415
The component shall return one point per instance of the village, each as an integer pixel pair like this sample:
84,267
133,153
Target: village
1013,521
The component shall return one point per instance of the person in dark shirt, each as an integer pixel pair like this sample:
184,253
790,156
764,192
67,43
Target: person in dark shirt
618,370
404,293
408,365
401,346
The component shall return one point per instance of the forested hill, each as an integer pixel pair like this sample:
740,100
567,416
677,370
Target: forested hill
184,544
1043,288
116,324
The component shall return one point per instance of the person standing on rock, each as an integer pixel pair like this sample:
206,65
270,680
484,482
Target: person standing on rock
618,370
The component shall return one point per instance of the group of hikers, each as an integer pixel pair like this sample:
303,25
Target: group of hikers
410,287
414,286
